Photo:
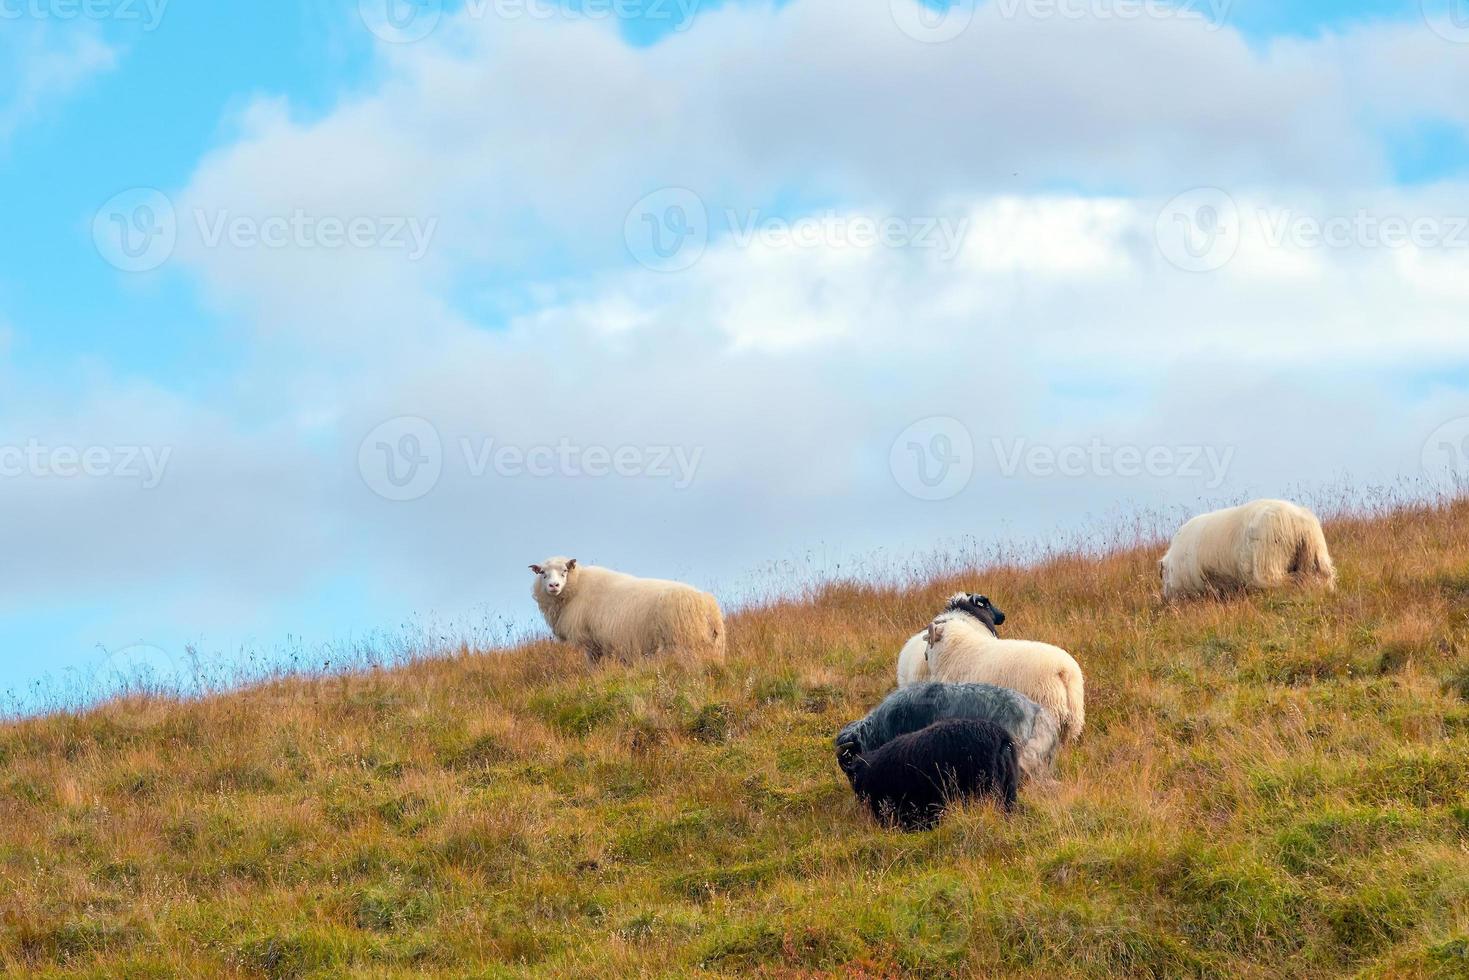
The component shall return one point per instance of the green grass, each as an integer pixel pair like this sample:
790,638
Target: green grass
1268,786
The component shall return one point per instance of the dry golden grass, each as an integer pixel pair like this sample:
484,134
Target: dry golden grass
1268,785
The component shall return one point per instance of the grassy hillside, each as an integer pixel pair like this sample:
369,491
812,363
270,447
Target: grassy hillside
1268,786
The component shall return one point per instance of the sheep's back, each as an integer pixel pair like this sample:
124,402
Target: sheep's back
1247,545
1042,672
917,707
1205,551
629,616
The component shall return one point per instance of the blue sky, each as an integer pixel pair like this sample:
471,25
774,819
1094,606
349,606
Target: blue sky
521,145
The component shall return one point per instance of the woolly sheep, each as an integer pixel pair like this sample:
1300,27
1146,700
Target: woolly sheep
912,662
961,650
1036,733
1259,545
910,780
611,614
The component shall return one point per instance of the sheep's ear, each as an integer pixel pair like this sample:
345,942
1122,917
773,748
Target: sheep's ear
570,564
536,569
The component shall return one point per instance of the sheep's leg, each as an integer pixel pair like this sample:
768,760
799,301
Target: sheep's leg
1008,797
921,816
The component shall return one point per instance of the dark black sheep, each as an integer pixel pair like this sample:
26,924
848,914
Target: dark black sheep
1034,729
911,779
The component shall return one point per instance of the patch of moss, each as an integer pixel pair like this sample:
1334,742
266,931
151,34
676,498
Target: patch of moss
757,945
712,723
288,955
1034,930
62,942
581,712
705,883
1319,842
391,909
1371,919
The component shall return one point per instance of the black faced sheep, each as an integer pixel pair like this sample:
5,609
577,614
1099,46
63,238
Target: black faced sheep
1034,729
912,659
610,614
910,780
1259,545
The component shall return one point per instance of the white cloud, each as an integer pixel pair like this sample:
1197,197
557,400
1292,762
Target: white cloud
527,141
789,369
41,65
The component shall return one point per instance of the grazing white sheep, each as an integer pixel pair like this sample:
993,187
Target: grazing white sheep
962,651
610,614
913,658
1259,545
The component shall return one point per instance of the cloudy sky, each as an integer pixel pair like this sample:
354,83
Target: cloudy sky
316,320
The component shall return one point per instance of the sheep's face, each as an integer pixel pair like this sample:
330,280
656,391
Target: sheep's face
555,575
978,606
849,757
983,602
